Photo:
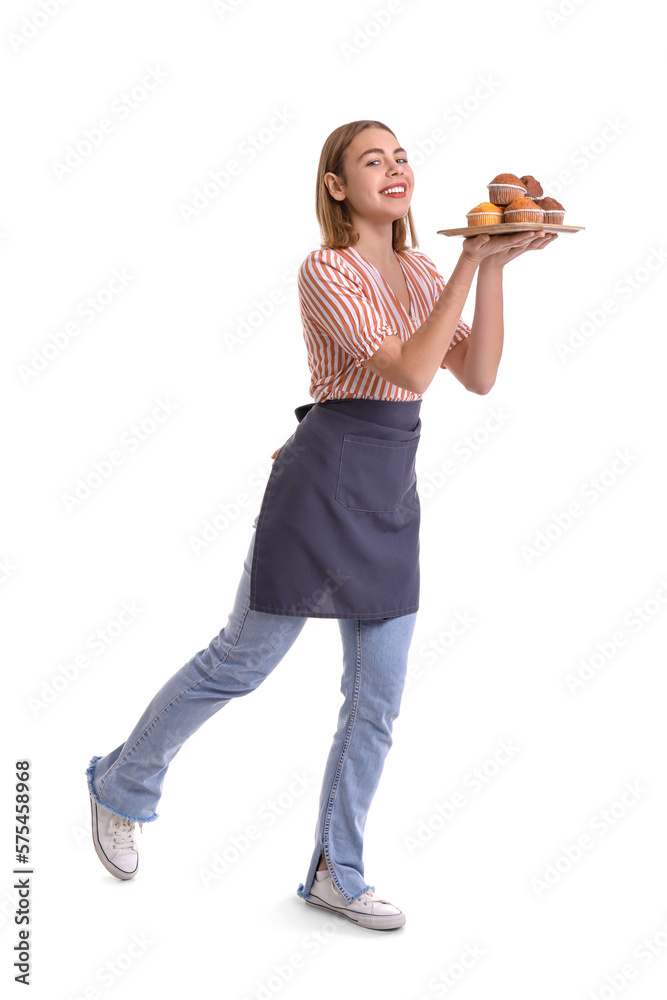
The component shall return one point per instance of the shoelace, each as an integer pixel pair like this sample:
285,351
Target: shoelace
124,836
365,901
372,898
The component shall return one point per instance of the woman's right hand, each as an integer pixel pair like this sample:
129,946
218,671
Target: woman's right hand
477,248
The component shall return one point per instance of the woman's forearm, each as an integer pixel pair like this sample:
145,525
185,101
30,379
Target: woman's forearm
485,343
422,354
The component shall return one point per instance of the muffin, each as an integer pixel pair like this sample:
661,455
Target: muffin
504,187
553,211
485,214
523,210
533,187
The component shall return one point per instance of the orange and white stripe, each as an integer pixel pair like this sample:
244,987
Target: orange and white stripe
347,309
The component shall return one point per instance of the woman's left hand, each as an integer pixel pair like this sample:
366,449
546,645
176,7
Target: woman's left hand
498,260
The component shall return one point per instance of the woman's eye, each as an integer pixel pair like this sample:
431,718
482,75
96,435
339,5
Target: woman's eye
400,159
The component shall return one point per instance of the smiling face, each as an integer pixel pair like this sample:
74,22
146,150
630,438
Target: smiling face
378,181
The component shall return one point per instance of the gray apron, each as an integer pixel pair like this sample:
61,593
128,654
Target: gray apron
337,534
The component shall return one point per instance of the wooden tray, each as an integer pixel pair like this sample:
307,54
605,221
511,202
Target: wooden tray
510,227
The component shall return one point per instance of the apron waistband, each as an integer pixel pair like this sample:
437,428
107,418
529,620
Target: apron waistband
401,415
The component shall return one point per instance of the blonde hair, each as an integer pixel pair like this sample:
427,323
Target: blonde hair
333,216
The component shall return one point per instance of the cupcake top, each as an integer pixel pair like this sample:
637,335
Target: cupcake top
533,187
551,205
511,179
486,207
521,204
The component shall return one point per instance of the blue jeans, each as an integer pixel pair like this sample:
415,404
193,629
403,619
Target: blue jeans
129,779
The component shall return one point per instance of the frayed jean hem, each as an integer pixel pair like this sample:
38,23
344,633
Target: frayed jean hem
90,774
304,895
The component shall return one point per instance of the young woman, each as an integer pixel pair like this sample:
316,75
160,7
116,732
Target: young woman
337,535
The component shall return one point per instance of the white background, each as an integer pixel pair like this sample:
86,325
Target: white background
470,91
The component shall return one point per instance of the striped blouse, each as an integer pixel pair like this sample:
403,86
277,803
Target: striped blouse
347,309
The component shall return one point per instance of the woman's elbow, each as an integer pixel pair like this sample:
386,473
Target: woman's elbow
480,389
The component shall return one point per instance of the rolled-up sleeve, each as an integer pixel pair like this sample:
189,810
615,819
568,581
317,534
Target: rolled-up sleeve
462,329
460,333
336,303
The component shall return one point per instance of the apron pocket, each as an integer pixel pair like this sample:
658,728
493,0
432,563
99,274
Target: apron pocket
376,475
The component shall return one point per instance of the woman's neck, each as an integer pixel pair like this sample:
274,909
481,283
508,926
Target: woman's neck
375,244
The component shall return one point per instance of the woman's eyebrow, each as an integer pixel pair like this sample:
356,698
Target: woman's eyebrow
399,150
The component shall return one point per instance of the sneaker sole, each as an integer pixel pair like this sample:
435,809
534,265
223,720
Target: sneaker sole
378,923
109,865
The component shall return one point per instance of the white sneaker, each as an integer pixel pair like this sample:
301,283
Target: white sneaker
113,837
368,910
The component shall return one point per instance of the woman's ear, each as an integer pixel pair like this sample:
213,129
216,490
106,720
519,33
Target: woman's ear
336,190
